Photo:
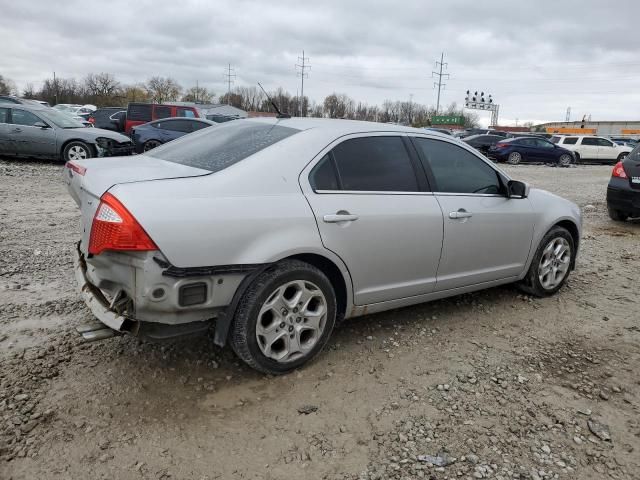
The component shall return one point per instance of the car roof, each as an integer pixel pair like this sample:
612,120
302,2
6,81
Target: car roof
339,127
174,119
31,106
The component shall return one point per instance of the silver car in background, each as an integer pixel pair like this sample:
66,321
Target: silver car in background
273,231
31,130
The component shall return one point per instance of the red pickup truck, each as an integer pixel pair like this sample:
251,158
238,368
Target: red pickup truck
139,113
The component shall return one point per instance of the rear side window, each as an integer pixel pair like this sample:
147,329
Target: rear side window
162,111
185,112
590,141
4,115
215,149
324,176
199,125
139,112
376,164
456,170
570,140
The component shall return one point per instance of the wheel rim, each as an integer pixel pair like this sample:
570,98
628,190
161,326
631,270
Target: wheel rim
555,262
514,157
77,153
291,321
151,144
565,160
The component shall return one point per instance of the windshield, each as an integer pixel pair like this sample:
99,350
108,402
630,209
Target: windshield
59,119
215,149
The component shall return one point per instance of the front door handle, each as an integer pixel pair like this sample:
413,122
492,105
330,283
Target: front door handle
340,217
462,213
16,130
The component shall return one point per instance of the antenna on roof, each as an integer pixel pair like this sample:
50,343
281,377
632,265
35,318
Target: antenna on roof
280,114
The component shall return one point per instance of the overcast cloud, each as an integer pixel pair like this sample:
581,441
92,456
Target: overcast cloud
536,58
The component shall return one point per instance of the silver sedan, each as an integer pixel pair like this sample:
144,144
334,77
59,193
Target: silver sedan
271,232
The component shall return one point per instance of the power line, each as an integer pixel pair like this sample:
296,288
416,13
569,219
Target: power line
439,83
229,77
304,65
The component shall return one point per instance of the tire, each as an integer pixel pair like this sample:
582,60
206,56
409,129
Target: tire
622,156
564,160
269,307
617,215
76,151
577,157
514,158
150,145
540,285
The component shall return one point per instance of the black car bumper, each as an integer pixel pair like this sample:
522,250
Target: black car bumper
114,149
624,199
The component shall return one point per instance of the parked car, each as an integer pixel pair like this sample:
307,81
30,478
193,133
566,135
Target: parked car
22,101
482,142
529,149
482,131
38,131
139,113
279,228
623,192
109,118
592,149
153,134
625,142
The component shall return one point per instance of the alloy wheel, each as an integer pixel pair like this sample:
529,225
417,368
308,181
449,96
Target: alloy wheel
151,144
291,321
555,262
77,152
514,158
565,160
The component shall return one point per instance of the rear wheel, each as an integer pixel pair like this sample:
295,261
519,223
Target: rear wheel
76,151
150,145
551,264
564,160
284,318
514,158
622,156
617,215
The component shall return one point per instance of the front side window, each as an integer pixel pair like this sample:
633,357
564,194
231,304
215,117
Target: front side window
140,112
4,115
22,117
603,142
186,112
556,139
376,164
215,149
456,170
543,143
177,126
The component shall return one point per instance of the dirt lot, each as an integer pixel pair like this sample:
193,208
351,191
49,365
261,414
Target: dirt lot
495,384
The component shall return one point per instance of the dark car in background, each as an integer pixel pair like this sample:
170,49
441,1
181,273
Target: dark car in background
482,142
623,192
531,150
109,118
153,134
140,113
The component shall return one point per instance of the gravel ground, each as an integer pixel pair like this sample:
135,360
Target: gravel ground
488,385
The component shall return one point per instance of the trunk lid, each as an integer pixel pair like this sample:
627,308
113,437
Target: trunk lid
88,180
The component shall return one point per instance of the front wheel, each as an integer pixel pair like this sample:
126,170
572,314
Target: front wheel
150,145
551,264
514,158
76,151
284,318
564,160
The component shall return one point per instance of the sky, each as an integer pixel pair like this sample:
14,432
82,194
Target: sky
536,58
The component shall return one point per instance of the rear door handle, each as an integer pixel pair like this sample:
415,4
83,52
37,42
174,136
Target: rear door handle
340,217
462,213
16,130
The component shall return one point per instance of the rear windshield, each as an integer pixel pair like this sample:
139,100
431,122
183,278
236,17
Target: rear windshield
215,149
634,155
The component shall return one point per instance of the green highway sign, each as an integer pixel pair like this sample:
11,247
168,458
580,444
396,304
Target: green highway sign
447,120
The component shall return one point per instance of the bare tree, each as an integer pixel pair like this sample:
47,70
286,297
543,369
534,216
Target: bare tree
29,91
102,85
161,89
7,87
339,105
198,94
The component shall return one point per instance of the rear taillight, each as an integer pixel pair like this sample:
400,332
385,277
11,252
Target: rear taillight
618,171
114,228
76,168
91,120
502,145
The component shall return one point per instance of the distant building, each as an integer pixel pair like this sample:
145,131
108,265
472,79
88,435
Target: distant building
628,128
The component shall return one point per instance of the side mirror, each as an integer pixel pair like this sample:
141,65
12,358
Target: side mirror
41,125
517,189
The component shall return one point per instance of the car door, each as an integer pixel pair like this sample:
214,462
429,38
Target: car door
7,146
29,138
588,148
487,236
172,129
607,150
373,209
546,151
529,149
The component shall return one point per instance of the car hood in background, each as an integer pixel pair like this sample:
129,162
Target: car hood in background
91,134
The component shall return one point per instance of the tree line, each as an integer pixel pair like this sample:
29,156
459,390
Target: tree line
103,89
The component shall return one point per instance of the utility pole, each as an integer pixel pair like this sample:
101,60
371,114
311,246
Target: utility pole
439,74
302,66
229,77
55,86
567,117
196,92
